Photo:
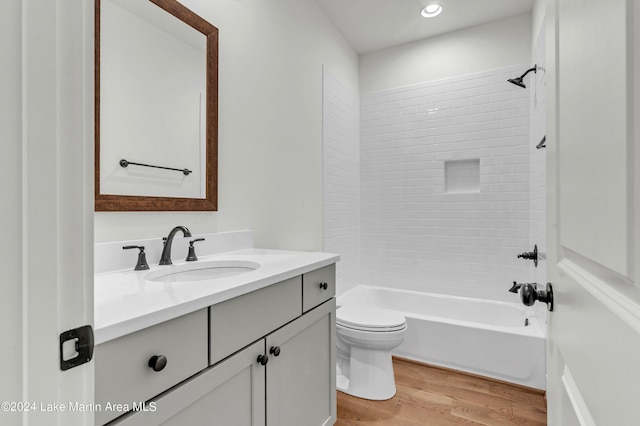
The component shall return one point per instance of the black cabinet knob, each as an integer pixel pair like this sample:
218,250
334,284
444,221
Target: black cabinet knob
275,350
263,359
324,286
158,362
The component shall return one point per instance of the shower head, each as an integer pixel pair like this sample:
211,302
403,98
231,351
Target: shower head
518,81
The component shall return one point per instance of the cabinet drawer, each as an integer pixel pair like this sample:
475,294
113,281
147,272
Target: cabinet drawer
240,321
313,288
231,393
122,372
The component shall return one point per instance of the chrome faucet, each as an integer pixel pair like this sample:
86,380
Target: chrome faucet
165,259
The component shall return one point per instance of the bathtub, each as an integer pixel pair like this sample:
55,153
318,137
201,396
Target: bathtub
483,337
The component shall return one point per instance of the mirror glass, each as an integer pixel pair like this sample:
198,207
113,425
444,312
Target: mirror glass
156,107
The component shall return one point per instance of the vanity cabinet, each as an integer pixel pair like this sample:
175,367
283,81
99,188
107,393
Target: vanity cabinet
269,363
244,319
318,286
301,379
123,375
230,393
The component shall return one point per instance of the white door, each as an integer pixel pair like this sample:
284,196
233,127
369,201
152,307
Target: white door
593,95
46,252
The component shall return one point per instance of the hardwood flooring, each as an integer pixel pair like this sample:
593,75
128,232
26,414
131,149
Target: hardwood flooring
433,396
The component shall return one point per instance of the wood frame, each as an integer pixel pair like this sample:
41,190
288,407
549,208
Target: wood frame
105,202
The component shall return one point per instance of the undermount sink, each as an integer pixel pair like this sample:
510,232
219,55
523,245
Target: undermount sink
202,271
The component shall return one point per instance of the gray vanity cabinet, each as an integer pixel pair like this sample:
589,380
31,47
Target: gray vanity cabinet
318,286
301,379
239,321
269,363
230,393
123,374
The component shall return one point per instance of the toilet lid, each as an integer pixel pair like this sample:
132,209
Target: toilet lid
369,318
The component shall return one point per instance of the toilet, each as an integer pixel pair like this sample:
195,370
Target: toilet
365,337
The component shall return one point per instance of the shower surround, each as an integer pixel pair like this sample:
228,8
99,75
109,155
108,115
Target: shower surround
444,186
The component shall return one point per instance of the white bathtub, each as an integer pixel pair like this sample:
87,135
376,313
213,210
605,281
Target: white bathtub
478,336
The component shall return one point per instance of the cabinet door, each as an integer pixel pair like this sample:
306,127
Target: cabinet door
301,380
231,393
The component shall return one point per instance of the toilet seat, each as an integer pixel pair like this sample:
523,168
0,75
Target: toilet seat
366,318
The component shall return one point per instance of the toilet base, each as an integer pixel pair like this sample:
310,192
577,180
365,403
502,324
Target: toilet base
367,374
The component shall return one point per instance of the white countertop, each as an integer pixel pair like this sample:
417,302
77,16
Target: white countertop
125,301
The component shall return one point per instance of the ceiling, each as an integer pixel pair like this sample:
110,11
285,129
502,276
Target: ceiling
370,25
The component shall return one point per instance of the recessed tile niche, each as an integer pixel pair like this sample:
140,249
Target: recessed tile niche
462,176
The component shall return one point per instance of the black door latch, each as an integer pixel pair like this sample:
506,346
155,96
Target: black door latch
83,337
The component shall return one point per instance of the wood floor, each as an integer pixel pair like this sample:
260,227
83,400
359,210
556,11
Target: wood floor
428,395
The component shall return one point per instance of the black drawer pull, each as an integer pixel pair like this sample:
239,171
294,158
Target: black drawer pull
275,350
324,286
158,362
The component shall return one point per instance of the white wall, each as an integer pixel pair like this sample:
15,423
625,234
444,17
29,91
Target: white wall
270,125
11,318
537,22
414,234
341,141
480,48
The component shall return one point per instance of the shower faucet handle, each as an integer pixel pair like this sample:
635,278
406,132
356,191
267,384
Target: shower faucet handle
531,255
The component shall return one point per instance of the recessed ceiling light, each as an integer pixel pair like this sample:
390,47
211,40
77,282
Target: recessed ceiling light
431,10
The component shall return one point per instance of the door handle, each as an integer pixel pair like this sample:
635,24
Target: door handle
529,293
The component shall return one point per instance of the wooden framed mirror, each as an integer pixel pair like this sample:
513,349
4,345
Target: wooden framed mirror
156,142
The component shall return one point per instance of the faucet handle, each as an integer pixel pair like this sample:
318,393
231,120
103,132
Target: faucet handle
531,255
142,258
192,250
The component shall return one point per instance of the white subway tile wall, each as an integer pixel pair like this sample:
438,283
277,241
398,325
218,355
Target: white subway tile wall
413,234
341,157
